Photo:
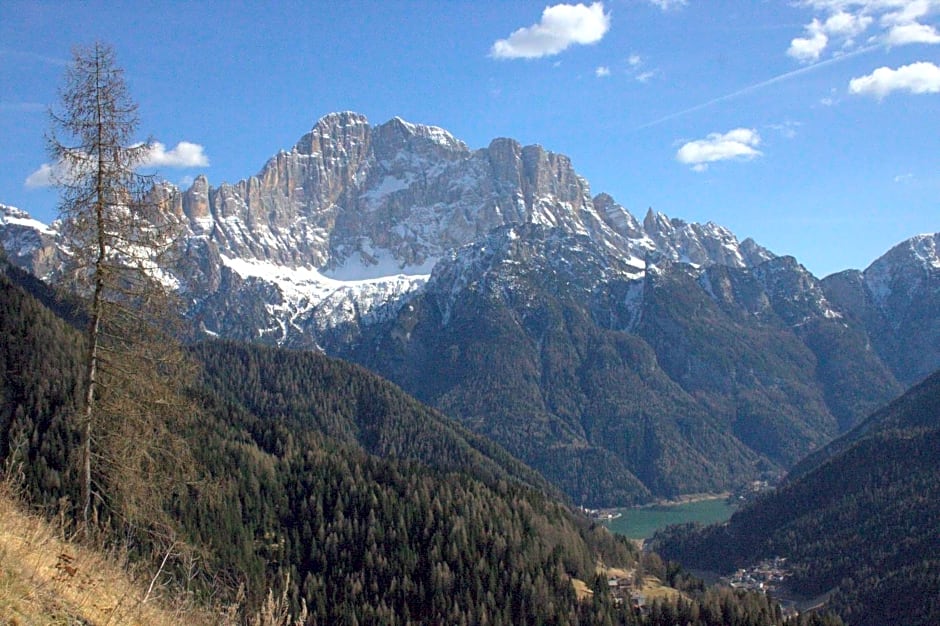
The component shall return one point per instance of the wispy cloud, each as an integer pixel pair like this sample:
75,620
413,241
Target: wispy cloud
757,86
667,5
786,129
45,176
636,67
561,26
739,144
917,78
602,71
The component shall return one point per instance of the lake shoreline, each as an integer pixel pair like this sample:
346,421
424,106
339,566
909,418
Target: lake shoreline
687,498
642,522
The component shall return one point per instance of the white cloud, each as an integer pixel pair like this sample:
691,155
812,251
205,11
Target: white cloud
786,129
846,24
602,71
905,11
807,49
839,22
185,154
737,144
903,179
666,5
831,99
561,26
918,78
914,32
42,177
636,68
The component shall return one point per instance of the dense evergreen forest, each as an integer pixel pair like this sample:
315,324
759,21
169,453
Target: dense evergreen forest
860,519
311,476
308,393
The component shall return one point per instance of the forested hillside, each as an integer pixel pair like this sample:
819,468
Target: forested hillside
619,388
291,493
306,392
860,519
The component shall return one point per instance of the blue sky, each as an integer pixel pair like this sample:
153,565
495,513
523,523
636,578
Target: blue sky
812,126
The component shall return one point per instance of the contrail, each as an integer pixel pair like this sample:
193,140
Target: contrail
760,85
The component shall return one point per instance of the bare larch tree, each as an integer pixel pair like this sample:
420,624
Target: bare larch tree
119,236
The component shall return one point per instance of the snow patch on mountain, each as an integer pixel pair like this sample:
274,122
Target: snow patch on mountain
376,264
12,216
901,270
309,296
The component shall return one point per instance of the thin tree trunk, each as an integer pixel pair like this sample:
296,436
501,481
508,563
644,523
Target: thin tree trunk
94,327
91,376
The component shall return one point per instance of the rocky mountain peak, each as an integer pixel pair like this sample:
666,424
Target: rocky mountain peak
898,272
27,242
334,131
897,297
398,134
656,223
921,252
617,217
350,202
700,244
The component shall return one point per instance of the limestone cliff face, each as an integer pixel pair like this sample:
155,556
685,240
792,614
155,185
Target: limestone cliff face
350,194
352,202
28,243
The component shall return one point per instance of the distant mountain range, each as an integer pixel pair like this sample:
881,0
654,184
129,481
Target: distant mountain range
623,359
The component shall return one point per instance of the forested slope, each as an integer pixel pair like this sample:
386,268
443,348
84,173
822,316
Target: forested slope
861,520
289,493
307,392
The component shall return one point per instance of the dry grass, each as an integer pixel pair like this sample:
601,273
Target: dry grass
654,589
581,590
615,572
45,580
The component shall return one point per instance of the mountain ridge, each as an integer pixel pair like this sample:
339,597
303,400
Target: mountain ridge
361,239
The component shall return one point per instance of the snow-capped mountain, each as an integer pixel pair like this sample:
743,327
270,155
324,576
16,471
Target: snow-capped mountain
347,225
493,285
662,378
27,242
898,299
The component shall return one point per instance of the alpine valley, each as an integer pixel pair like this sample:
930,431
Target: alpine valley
624,359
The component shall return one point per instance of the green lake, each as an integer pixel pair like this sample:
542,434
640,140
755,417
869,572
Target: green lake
642,522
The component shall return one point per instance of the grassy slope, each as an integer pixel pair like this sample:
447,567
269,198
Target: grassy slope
45,579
